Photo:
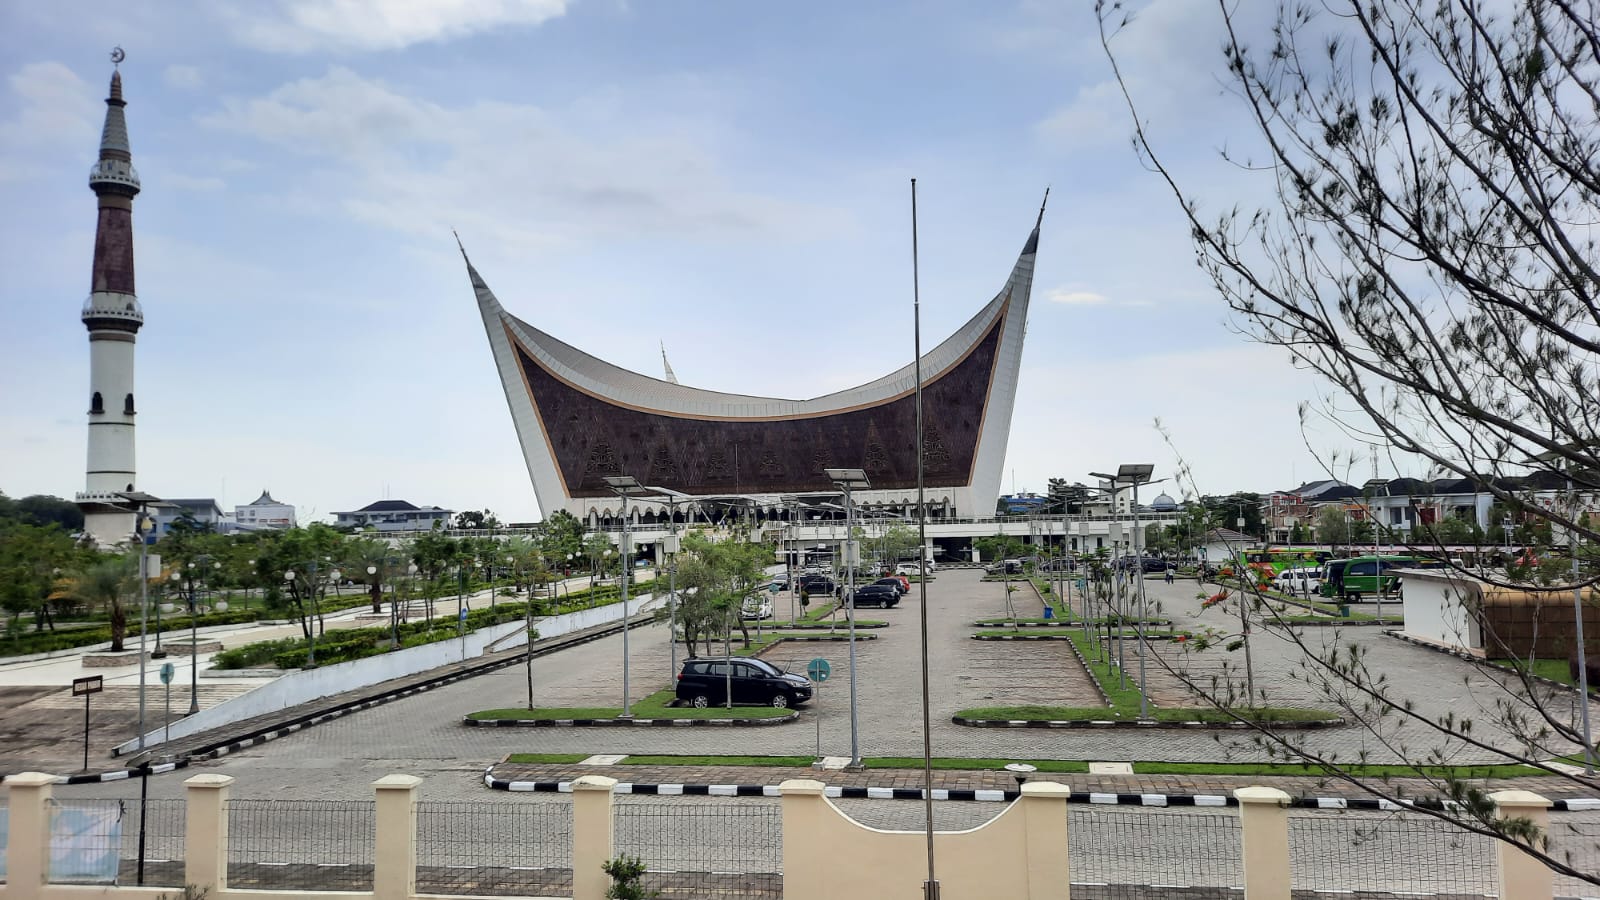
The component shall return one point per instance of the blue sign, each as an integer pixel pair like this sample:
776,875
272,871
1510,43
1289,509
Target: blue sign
166,673
818,670
463,616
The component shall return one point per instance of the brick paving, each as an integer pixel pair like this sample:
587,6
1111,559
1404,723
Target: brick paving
422,735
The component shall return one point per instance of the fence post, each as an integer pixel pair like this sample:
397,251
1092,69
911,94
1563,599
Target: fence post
804,823
394,858
1521,875
1264,833
28,853
1044,810
592,836
205,832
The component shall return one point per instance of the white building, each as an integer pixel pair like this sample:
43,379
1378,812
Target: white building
394,515
263,513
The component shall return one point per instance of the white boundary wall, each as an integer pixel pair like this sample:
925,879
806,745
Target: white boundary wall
306,685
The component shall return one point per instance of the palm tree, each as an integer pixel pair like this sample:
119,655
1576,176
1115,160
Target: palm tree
105,582
363,553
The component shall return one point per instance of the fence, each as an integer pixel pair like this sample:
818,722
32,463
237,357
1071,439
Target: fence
300,844
496,849
801,847
693,850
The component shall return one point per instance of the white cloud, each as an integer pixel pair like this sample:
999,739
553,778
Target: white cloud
1077,298
520,174
300,26
191,182
54,105
182,77
54,109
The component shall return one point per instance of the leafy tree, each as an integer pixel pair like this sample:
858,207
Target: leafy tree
714,578
42,509
560,534
31,559
105,583
1230,508
1426,250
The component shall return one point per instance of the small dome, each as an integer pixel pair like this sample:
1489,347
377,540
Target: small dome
1163,502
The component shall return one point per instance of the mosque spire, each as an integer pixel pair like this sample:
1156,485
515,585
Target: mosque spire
113,318
671,378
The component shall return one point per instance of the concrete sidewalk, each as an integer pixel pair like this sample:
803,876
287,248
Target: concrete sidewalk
41,727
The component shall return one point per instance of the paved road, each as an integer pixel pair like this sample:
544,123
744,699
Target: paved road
422,735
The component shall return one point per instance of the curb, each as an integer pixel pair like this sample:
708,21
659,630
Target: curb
814,626
1575,804
273,732
114,774
1136,723
824,637
1054,637
1058,623
623,723
1487,663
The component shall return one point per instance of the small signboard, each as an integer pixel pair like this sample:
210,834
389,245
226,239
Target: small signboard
89,684
818,670
166,673
463,616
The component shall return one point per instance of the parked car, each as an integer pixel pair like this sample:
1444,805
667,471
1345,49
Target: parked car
879,595
755,608
1004,567
707,681
817,585
1300,582
899,584
778,583
913,568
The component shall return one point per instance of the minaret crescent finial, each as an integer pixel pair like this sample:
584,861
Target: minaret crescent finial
117,56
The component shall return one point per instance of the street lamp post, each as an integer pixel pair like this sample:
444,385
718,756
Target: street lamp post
143,524
848,480
1136,474
671,546
622,486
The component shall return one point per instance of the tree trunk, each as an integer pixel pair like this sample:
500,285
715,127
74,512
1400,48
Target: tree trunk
119,625
376,590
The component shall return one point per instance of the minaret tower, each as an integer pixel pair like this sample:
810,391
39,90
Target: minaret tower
113,317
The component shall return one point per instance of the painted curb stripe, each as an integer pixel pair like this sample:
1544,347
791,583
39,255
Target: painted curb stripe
1095,798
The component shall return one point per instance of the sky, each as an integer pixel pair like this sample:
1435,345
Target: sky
727,179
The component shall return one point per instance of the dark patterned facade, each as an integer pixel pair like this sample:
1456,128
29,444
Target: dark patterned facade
591,437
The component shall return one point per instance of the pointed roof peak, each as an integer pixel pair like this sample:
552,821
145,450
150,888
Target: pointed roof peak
1032,246
477,280
116,87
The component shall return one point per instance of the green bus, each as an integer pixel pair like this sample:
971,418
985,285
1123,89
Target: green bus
1364,575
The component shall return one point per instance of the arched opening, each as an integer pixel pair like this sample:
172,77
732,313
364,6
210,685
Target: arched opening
127,405
96,404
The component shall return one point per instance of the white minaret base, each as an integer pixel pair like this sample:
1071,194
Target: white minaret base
108,528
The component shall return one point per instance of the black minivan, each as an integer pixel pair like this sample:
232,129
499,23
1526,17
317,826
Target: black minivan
705,682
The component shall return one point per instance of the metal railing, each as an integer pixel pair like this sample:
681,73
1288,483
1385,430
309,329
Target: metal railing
495,849
1128,852
1389,852
98,842
301,844
701,849
1577,844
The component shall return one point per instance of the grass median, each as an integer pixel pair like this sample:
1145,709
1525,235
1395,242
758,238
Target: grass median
651,707
1064,766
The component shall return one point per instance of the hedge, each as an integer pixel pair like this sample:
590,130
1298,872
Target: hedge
47,641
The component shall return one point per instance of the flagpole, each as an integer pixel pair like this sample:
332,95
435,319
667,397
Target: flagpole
930,888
